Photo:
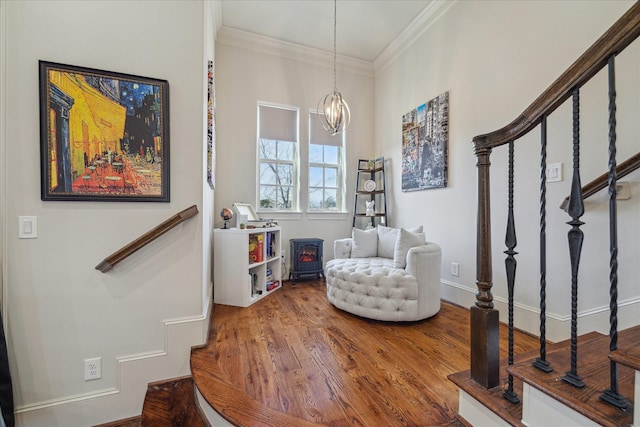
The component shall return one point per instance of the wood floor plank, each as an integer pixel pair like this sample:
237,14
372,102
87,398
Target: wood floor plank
293,357
127,422
592,366
172,403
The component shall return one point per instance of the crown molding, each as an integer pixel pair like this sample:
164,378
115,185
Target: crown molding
418,26
268,45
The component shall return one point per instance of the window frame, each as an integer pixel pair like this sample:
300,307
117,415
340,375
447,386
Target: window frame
294,162
340,188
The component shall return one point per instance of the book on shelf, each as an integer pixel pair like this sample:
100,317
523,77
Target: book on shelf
272,285
260,247
253,278
268,244
272,247
256,248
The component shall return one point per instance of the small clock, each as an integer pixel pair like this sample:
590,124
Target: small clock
369,185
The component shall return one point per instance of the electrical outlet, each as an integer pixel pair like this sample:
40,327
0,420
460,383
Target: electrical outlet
92,369
455,269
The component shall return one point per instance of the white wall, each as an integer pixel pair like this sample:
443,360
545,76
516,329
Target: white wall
251,70
495,58
142,316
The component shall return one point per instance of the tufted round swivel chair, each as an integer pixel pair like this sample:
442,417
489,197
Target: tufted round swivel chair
373,288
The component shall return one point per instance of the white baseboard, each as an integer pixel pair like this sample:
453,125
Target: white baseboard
134,373
558,327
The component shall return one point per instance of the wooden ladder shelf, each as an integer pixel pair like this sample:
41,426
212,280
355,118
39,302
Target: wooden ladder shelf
371,187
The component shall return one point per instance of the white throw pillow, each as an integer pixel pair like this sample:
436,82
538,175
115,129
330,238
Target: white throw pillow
365,243
406,240
417,229
387,237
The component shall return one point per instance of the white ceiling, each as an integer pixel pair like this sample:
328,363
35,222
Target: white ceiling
364,27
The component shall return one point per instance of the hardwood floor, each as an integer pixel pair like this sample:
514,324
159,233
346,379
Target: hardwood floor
169,403
172,403
293,359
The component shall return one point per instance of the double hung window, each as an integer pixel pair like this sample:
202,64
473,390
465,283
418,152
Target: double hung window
277,158
325,168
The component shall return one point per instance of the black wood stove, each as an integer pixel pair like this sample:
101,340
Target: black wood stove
306,258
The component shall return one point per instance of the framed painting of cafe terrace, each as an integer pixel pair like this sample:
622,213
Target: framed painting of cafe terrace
104,136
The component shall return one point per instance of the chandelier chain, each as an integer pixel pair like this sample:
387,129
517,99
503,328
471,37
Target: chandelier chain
335,116
335,20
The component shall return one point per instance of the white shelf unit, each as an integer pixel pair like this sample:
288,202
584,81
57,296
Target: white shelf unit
237,279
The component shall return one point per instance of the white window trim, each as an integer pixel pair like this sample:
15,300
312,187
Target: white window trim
341,179
295,208
327,215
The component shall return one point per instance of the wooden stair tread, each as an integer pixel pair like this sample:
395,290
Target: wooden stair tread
167,403
627,356
233,404
592,352
492,398
172,403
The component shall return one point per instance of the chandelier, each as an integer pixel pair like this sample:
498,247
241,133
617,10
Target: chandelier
335,115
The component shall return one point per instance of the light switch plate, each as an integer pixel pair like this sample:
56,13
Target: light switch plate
623,190
554,172
28,227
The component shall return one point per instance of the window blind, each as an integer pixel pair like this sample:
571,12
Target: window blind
278,124
319,135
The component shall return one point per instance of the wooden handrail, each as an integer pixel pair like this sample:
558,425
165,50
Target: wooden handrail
485,357
623,169
109,262
619,36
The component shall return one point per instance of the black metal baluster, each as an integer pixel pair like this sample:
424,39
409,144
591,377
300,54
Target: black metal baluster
541,362
575,238
611,395
510,264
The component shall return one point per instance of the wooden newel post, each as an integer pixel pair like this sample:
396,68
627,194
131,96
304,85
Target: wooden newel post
485,337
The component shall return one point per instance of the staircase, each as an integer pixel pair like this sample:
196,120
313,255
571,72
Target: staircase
546,399
587,380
